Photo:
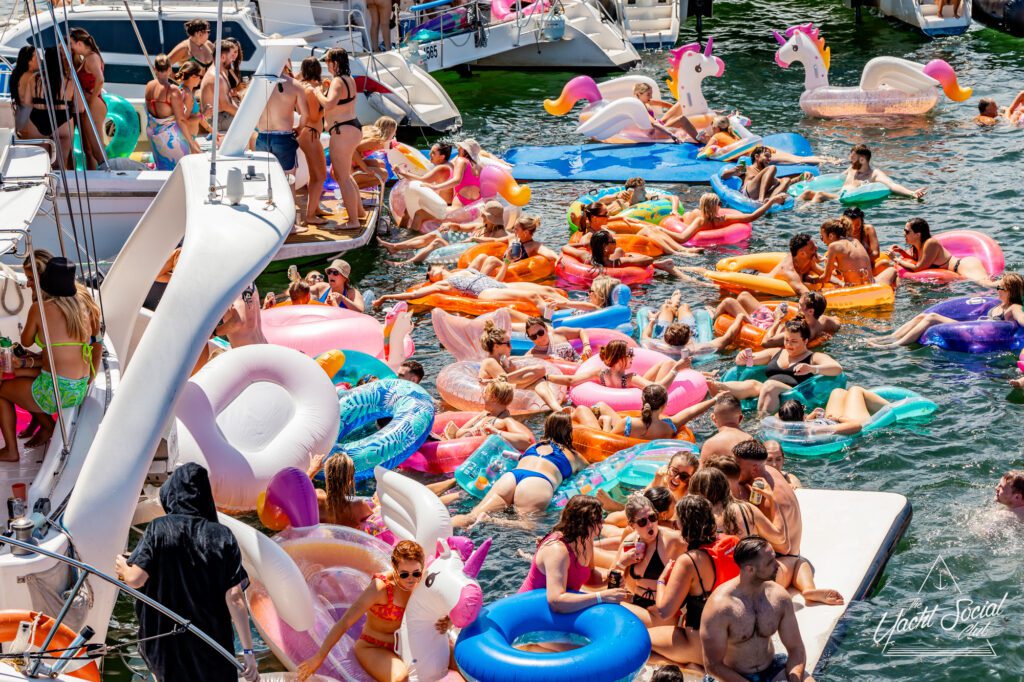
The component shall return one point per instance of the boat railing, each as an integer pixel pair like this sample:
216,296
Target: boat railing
36,668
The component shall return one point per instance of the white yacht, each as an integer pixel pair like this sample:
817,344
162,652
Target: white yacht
651,24
925,15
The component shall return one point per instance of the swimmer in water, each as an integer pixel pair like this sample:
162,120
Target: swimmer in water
988,112
848,260
860,173
927,253
1010,492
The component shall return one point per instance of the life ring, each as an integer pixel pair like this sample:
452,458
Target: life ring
411,410
618,643
10,621
121,125
812,393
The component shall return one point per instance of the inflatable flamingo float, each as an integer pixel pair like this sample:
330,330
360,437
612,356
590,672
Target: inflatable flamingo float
614,115
888,85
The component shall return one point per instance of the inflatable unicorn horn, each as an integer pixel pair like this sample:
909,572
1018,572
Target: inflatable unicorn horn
688,66
888,85
448,588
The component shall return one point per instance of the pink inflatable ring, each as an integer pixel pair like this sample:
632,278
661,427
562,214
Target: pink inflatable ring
961,244
688,388
314,329
730,234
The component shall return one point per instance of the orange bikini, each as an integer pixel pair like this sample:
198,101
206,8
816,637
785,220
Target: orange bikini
389,612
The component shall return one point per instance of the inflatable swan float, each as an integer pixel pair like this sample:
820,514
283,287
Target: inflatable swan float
888,85
614,115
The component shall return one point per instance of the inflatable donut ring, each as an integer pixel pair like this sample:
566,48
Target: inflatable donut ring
688,389
459,386
315,329
596,445
532,269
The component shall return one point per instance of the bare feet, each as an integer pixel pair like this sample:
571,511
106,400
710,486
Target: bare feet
823,596
1017,383
664,264
9,455
388,246
315,220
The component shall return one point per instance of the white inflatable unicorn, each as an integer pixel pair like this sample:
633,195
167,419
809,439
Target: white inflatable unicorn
888,85
614,114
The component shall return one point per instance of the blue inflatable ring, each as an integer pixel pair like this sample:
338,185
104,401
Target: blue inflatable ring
615,316
411,410
619,644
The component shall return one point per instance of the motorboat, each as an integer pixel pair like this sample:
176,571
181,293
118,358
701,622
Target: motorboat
651,24
925,15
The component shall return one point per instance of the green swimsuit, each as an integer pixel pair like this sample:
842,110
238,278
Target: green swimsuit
72,392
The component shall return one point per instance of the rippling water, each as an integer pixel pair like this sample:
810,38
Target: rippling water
948,468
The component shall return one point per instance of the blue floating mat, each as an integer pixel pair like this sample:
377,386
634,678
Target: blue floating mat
655,162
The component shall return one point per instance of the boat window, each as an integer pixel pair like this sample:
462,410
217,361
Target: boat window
116,36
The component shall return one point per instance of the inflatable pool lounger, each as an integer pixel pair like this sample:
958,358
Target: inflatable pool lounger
655,162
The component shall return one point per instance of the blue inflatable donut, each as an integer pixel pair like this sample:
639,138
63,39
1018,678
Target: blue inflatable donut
618,643
728,190
615,316
411,410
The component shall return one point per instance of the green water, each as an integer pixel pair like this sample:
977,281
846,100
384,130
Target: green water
948,468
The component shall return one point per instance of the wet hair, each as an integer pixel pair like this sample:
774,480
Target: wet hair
668,673
792,411
339,57
709,205
598,243
614,351
749,549
580,519
1014,284
500,391
799,327
25,55
414,368
187,70
920,227
758,151
444,149
492,336
984,103
298,289
310,70
751,450
798,242
655,397
854,213
161,64
677,334
637,505
835,228
696,521
1015,477
603,286
727,402
725,463
528,222
407,550
589,212
660,498
641,88
862,150
82,36
340,483
558,430
194,26
815,301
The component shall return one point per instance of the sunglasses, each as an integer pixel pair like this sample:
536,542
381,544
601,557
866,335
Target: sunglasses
505,342
318,278
404,575
683,476
1000,287
333,272
642,522
534,337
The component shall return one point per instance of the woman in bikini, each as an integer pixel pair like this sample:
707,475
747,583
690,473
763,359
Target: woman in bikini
659,131
340,115
551,343
1009,289
89,69
196,48
189,76
651,425
495,419
927,253
531,485
596,217
784,369
375,138
643,555
465,178
478,285
309,140
617,358
521,245
53,105
65,363
166,120
708,216
499,365
383,603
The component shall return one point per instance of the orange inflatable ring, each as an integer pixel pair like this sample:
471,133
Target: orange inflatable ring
630,243
532,269
467,305
11,619
751,336
595,445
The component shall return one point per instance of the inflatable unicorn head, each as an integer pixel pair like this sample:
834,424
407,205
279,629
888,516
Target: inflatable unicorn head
803,43
688,66
448,588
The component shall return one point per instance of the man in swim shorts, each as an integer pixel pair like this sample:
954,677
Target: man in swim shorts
1010,492
860,173
802,266
275,131
759,181
743,614
848,260
795,570
726,415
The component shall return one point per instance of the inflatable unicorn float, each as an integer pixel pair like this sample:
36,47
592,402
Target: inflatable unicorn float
613,114
337,563
888,85
410,196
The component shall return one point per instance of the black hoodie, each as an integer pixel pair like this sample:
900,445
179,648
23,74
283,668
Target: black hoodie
192,561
